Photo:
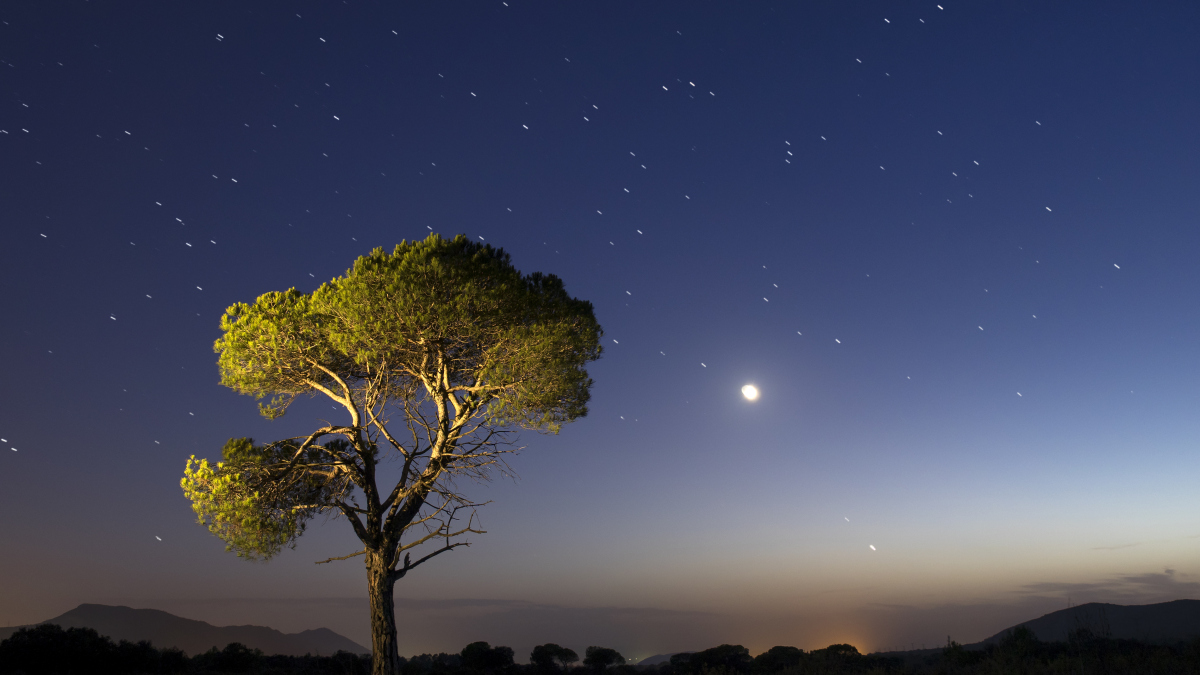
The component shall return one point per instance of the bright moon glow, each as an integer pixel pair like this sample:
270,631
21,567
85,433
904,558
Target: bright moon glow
750,392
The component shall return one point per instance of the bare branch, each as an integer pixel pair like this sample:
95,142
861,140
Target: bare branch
399,574
351,513
345,557
348,401
327,391
384,430
310,442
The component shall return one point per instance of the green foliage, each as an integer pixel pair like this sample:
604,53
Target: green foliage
493,325
257,500
447,323
435,302
274,347
446,335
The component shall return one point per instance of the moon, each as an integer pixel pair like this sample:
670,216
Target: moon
750,392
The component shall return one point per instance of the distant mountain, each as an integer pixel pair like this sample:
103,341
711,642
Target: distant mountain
659,658
194,637
1164,622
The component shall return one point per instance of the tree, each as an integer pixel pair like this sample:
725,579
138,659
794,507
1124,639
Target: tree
235,658
776,659
550,658
600,658
442,343
681,662
48,649
567,657
728,658
484,658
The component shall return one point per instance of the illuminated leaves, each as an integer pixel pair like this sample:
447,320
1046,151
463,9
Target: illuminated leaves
443,314
258,500
445,334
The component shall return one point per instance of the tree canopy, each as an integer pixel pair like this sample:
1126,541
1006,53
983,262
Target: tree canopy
600,658
484,658
437,352
551,658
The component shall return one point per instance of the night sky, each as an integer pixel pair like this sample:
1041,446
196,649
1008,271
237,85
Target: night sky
954,247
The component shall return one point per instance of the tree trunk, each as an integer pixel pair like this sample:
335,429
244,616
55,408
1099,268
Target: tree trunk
384,657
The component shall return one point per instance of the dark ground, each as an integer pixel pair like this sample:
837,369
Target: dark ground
51,650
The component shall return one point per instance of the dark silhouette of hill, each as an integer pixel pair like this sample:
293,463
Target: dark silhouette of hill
1161,623
659,658
194,637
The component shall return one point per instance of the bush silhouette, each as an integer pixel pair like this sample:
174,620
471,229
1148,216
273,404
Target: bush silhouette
52,650
49,649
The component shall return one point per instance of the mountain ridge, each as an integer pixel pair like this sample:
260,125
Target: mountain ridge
163,629
659,658
1162,622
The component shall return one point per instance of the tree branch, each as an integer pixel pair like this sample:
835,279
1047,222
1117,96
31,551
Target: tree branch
359,529
386,434
308,442
354,416
346,402
398,574
345,557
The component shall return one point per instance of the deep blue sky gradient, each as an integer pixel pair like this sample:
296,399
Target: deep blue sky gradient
952,174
